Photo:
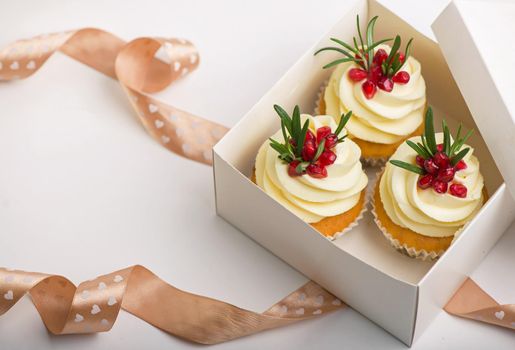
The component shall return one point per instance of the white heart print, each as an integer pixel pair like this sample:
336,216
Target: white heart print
102,286
159,123
118,278
165,139
111,301
336,302
499,315
84,295
31,65
300,311
9,295
319,300
317,312
95,309
78,318
176,66
283,310
15,65
104,322
152,108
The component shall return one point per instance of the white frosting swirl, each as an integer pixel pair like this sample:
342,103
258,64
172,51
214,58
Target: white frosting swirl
425,211
309,198
386,118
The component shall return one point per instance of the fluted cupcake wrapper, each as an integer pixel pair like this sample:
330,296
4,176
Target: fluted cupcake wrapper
367,161
356,221
402,247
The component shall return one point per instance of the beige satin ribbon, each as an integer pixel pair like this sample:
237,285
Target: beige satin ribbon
470,301
94,305
144,66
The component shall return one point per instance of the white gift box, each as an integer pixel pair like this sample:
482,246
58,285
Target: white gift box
401,294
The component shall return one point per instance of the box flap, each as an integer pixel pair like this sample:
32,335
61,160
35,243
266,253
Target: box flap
475,37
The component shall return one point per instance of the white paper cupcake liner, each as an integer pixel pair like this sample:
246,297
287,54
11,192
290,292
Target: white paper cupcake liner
403,248
356,221
368,162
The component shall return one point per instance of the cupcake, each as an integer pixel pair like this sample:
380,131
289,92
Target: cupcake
314,170
382,86
428,191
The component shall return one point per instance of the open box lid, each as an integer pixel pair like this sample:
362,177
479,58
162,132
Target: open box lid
475,38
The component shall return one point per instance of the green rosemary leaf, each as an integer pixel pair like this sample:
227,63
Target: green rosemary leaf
343,121
319,151
461,141
395,48
424,142
280,148
370,40
416,148
295,123
345,45
377,43
285,118
343,52
342,60
430,131
446,138
459,156
361,39
410,167
423,148
301,168
341,139
302,137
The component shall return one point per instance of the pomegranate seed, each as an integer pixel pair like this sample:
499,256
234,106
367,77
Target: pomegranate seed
440,186
330,141
357,74
458,190
317,171
359,56
310,136
376,74
430,166
322,132
380,57
461,165
420,161
369,89
385,84
441,160
445,174
308,151
425,181
401,77
439,147
327,157
292,168
401,57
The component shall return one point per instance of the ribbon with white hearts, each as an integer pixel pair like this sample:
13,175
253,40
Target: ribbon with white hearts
470,301
144,66
94,305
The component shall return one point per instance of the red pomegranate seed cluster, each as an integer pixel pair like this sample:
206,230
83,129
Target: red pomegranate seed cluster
316,169
440,172
375,78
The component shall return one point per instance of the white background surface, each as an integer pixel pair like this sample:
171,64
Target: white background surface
85,191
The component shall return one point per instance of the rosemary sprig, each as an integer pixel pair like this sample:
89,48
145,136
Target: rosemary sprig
428,148
361,53
295,134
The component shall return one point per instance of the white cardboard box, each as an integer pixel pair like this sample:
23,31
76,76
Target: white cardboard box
400,294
